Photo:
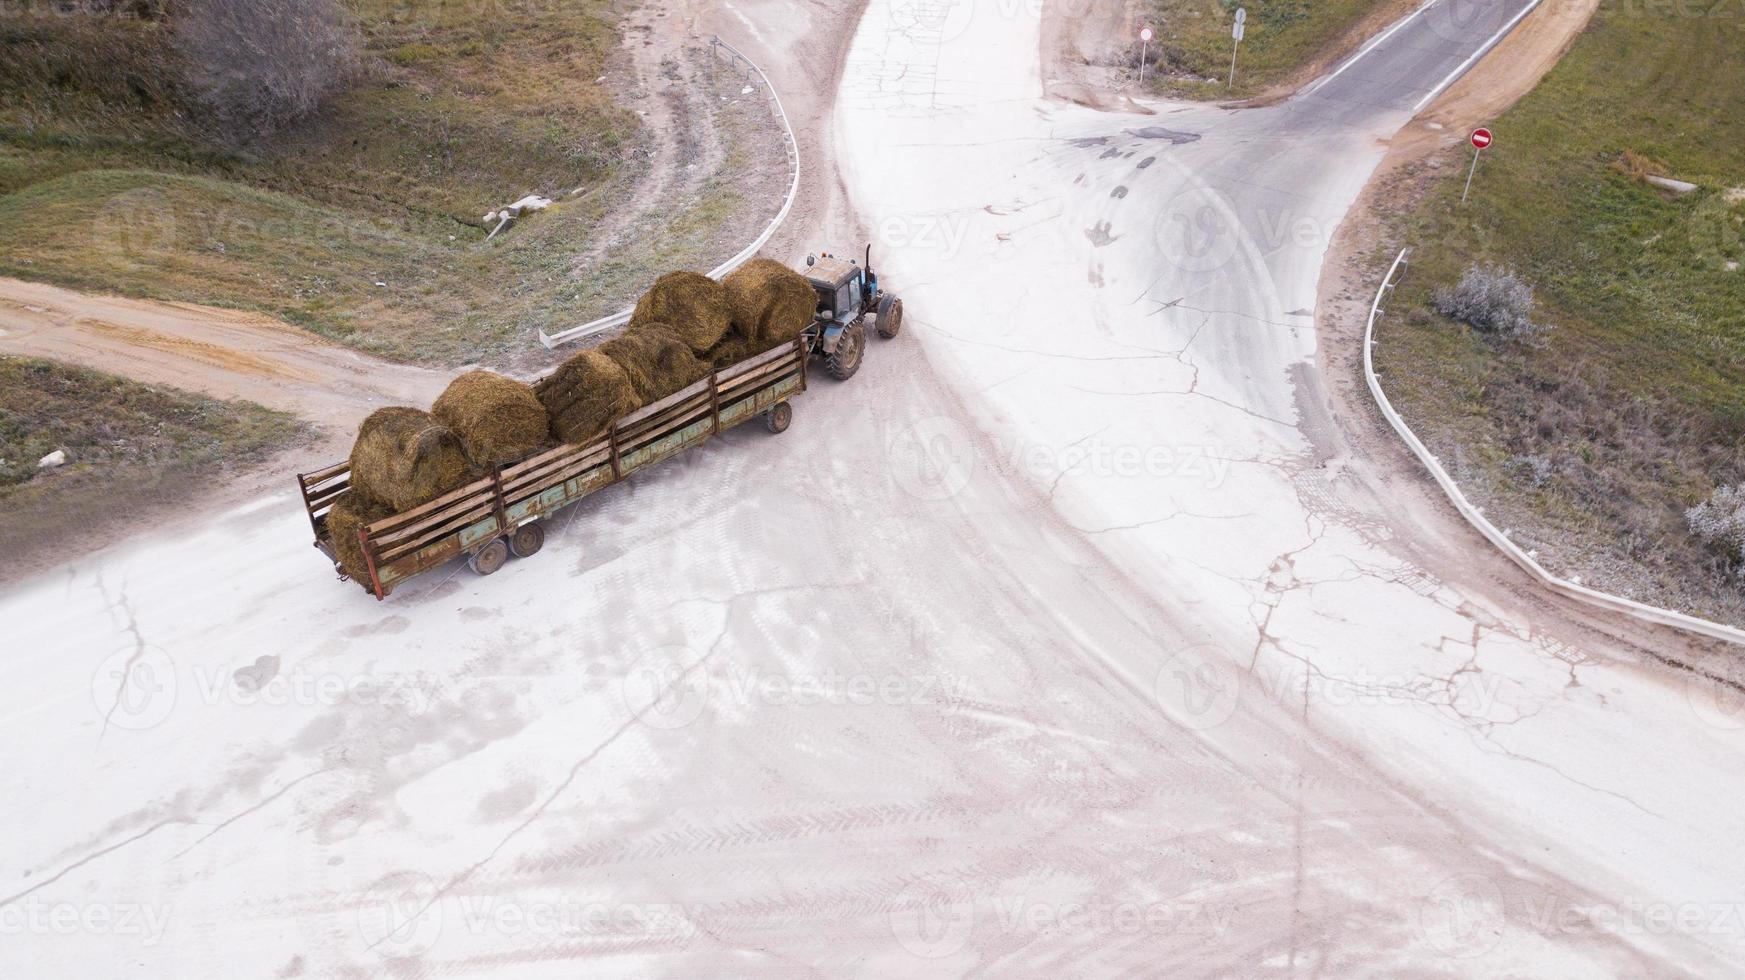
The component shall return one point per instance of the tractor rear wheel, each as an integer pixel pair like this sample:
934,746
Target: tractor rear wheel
890,319
845,359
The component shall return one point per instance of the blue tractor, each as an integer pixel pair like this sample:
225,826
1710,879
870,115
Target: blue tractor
848,292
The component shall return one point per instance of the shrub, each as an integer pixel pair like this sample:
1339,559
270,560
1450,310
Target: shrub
259,65
1720,520
1490,299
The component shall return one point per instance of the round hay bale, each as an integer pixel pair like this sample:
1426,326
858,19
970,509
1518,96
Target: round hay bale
349,513
497,419
691,304
404,457
584,395
655,359
733,348
768,302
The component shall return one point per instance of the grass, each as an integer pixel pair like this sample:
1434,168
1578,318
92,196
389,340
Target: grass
366,224
129,446
1594,440
1190,54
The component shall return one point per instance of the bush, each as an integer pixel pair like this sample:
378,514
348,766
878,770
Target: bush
259,65
1490,299
1720,520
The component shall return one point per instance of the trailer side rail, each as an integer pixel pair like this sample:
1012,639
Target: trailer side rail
399,547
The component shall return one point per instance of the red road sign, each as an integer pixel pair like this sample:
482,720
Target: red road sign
1481,138
1145,35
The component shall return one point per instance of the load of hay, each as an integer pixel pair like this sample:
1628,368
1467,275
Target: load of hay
584,395
690,304
767,303
655,359
404,457
498,420
351,512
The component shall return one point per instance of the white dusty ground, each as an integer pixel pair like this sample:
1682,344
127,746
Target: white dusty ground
1068,638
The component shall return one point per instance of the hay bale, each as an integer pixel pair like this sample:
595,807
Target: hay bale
584,395
655,359
497,419
733,348
349,513
768,302
404,457
691,304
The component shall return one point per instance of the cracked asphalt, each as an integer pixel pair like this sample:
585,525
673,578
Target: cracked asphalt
1074,635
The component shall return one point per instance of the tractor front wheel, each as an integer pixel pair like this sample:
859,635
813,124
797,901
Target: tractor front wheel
850,348
890,316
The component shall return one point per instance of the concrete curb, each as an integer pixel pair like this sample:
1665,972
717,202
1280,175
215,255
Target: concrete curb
553,340
1475,516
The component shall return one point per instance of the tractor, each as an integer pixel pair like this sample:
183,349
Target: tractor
848,292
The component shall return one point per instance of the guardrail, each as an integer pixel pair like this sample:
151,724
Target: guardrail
1475,515
552,340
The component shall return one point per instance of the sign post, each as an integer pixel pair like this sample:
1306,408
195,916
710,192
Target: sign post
1481,138
1236,32
1144,49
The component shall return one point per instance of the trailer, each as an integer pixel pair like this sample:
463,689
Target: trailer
502,514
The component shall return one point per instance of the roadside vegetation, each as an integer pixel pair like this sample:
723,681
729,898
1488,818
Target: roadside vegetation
1593,435
1286,42
336,173
127,447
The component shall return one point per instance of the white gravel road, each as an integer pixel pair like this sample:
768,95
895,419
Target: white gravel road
1071,637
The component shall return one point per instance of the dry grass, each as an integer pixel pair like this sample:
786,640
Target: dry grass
1591,442
135,450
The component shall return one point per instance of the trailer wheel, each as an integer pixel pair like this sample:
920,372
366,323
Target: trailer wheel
845,359
527,540
890,316
489,558
779,417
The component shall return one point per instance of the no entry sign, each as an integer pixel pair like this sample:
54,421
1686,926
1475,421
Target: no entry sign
1481,138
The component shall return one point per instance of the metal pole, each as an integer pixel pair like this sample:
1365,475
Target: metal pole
1233,47
1144,49
1475,152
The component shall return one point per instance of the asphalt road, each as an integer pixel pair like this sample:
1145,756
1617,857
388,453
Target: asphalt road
1072,636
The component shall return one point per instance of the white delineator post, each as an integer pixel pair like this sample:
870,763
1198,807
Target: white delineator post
1481,138
1237,29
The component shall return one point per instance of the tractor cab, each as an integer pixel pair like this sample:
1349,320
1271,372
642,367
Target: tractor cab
841,288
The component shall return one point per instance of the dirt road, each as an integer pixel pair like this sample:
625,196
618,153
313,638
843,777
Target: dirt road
217,352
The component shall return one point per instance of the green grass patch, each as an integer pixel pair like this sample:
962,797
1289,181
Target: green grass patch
1633,405
132,449
1190,54
366,223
